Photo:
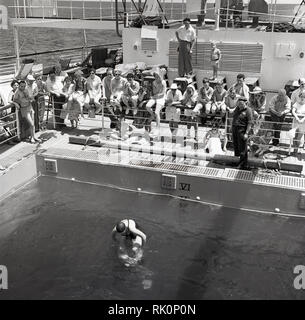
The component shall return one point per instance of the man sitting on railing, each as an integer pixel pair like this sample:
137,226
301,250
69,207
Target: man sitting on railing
204,100
189,101
94,94
55,86
130,94
279,107
241,89
173,97
117,88
24,101
218,99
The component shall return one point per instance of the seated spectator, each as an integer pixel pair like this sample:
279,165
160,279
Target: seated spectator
204,102
295,96
39,92
55,88
23,99
157,99
218,99
298,111
189,101
62,75
106,96
94,92
172,113
257,102
241,89
117,88
143,116
279,107
230,101
212,141
130,94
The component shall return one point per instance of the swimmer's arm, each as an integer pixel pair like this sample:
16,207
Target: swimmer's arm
114,233
138,232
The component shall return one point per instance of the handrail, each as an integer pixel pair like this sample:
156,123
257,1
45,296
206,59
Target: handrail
61,50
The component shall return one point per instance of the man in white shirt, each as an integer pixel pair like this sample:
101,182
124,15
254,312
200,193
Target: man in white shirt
295,96
186,36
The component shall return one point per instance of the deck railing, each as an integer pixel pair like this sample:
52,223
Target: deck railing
9,124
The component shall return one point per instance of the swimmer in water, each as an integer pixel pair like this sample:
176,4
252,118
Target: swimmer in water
129,229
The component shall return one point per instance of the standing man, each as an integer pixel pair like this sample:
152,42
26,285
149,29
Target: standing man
186,36
241,126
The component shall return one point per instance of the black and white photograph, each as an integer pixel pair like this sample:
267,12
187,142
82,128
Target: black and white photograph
152,151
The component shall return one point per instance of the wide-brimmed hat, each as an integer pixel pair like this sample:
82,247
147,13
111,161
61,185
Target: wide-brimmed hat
30,78
174,86
256,90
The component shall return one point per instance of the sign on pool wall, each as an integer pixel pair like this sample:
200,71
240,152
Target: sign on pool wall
3,278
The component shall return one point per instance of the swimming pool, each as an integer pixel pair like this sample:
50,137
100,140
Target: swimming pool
55,239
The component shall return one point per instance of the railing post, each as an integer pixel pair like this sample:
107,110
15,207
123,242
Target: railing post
71,10
101,12
43,11
16,37
84,11
18,124
217,20
24,8
227,14
274,13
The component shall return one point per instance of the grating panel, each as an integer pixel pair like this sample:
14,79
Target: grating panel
236,57
270,179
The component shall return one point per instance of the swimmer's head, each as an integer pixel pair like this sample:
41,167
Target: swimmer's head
120,227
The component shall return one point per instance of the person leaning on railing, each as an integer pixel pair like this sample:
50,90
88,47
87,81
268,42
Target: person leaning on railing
24,101
298,111
40,92
257,102
279,107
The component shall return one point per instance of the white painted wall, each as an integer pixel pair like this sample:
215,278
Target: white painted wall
275,72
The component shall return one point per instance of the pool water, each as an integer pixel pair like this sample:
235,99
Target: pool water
55,239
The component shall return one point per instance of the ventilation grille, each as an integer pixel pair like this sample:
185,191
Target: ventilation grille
271,179
236,57
203,171
148,44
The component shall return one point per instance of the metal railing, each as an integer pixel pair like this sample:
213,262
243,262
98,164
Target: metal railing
9,124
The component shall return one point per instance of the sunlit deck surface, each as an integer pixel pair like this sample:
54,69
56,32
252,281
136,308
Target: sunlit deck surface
11,155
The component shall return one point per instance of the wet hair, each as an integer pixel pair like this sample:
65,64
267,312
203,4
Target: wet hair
14,82
186,19
205,80
120,227
92,70
130,76
241,76
21,82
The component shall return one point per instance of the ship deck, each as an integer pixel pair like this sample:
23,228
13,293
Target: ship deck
10,154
